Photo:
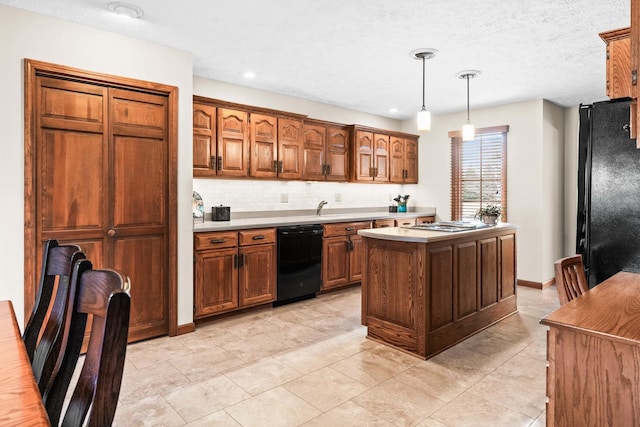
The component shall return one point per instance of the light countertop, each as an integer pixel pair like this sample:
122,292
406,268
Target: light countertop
406,234
273,219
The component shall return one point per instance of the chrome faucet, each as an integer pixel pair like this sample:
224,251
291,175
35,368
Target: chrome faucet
320,205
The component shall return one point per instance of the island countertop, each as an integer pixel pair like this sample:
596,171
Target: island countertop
408,234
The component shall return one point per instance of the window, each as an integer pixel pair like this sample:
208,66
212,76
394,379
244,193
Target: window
478,172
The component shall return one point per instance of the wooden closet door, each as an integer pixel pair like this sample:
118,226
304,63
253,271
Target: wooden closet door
72,167
102,182
138,227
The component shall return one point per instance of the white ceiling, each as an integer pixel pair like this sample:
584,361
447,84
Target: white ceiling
355,53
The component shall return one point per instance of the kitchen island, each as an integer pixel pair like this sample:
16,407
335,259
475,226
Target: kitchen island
425,290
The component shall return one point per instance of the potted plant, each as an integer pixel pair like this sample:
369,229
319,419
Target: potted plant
489,214
402,202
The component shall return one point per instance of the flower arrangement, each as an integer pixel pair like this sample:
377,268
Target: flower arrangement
402,199
489,214
402,202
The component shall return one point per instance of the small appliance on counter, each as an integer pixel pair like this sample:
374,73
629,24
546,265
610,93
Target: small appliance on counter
220,213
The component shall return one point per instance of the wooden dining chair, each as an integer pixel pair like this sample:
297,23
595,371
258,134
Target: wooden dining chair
57,262
104,294
571,281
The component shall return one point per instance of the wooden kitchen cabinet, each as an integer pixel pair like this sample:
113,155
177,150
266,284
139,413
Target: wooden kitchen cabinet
403,166
405,222
234,270
276,147
370,157
618,62
325,152
264,145
342,254
220,141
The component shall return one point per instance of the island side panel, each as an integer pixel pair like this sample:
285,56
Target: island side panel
426,297
482,287
394,293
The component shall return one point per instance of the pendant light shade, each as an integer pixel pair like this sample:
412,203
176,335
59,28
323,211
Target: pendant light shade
468,130
424,116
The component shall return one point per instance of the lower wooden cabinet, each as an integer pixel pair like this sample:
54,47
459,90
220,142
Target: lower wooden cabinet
342,254
425,219
234,269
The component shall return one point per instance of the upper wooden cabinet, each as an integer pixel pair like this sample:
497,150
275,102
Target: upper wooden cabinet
370,156
618,62
220,141
325,152
264,145
239,141
403,167
290,151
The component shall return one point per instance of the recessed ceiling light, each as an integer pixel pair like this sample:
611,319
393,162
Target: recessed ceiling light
393,110
249,75
125,9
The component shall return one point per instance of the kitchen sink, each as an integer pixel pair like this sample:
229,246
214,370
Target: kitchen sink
451,226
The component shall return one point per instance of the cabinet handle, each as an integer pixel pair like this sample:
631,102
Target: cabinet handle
214,162
327,170
383,225
242,260
216,241
280,163
259,237
235,261
275,166
111,232
349,228
219,162
375,172
370,171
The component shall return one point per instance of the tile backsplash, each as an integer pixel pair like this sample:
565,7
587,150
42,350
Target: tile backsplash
263,195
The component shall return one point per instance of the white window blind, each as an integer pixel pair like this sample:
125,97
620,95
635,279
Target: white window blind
478,170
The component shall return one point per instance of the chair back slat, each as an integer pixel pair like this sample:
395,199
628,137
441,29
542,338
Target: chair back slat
571,281
102,294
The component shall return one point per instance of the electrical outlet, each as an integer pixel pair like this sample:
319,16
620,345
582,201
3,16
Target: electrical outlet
338,197
284,197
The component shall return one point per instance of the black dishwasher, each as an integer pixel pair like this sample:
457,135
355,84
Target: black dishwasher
299,262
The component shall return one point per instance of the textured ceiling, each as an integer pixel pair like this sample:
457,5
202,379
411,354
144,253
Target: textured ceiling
355,53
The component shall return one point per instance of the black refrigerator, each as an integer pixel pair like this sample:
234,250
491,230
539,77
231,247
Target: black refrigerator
608,225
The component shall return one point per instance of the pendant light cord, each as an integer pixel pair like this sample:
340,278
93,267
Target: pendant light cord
423,78
467,98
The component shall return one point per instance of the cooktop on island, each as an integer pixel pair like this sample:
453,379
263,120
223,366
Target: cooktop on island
452,226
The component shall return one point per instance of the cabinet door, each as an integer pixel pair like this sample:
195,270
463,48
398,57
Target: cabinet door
364,156
233,143
335,261
411,161
216,287
381,157
314,149
337,154
204,140
356,255
618,62
264,145
290,155
396,165
257,274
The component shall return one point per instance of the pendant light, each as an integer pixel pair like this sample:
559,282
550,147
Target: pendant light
424,116
468,130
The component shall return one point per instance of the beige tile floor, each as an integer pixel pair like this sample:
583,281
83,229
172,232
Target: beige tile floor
310,364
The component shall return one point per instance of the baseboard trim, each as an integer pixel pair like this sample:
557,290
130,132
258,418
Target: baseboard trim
535,285
186,328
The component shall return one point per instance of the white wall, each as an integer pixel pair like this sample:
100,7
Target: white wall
527,186
28,35
571,131
552,202
264,195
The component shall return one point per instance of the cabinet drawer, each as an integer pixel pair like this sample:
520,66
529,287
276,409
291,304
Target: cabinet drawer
405,222
382,223
216,240
257,237
425,220
345,228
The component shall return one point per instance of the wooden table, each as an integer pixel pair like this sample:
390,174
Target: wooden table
593,349
20,401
